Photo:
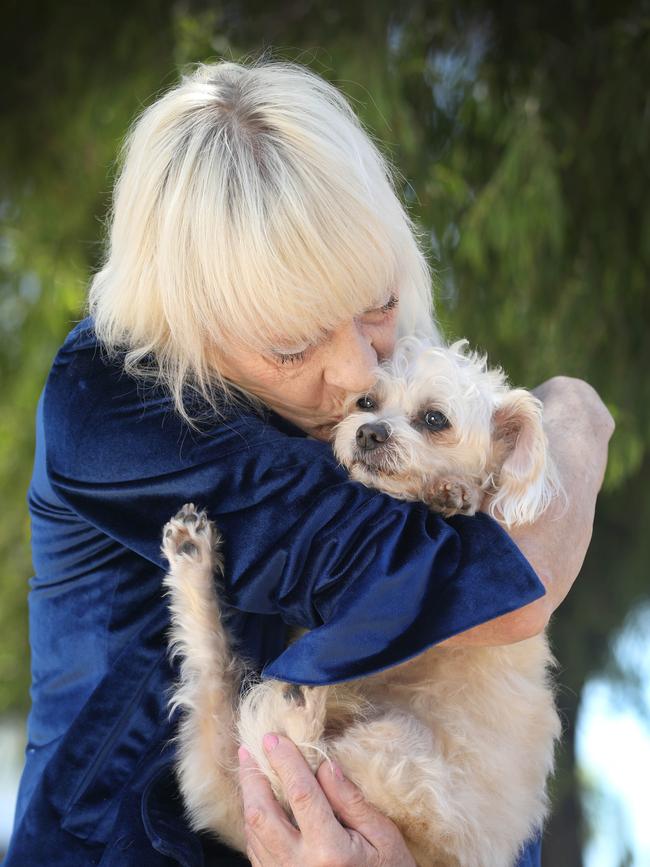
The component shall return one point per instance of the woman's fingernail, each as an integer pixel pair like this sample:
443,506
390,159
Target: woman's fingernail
338,773
243,754
270,742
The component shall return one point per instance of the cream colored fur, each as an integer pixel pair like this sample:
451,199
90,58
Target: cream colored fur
456,745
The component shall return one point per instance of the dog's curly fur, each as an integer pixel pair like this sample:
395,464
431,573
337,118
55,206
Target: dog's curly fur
456,745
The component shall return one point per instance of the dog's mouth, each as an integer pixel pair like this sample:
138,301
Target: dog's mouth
375,461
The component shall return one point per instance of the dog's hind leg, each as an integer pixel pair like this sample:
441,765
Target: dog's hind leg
299,712
210,678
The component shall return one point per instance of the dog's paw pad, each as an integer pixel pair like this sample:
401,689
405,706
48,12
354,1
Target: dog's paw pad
294,694
188,534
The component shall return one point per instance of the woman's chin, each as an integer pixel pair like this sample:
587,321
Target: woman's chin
322,432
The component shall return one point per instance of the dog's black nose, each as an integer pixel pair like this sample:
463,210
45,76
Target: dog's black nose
371,435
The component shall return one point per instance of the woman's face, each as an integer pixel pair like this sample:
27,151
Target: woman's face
308,385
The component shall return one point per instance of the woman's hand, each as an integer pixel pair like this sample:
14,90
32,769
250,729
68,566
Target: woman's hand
579,427
362,838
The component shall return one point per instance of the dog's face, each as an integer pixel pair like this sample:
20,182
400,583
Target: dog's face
441,427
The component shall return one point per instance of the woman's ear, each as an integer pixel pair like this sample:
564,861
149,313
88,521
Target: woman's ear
524,478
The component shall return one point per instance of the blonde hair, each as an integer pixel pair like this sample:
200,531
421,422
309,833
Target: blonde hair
251,206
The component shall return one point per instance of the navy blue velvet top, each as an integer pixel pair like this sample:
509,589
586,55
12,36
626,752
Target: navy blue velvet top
375,579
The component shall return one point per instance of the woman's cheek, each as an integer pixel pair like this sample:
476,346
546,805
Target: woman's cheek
301,390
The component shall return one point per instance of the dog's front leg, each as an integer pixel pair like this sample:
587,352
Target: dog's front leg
210,678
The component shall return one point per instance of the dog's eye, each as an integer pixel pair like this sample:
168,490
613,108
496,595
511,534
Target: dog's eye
366,403
436,420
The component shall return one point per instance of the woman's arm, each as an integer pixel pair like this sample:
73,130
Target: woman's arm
376,580
578,426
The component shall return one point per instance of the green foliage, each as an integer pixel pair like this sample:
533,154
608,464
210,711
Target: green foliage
59,137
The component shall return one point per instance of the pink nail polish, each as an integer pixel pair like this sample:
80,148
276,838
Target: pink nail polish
270,742
338,773
243,754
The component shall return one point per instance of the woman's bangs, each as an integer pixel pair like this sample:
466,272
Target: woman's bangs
290,296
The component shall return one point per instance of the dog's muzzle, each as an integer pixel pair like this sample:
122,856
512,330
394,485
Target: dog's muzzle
370,436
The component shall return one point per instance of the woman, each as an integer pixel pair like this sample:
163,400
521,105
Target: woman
259,266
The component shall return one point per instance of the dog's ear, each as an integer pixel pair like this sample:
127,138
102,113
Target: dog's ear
524,477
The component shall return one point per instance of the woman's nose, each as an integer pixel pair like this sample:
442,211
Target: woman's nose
352,360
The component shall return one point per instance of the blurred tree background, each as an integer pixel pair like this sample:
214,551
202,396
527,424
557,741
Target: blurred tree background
521,133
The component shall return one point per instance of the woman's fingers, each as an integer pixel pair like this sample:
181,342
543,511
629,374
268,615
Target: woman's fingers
351,807
374,838
368,839
308,803
264,818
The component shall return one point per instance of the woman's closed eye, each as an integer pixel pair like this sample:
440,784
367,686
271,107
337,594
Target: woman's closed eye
379,314
289,357
391,304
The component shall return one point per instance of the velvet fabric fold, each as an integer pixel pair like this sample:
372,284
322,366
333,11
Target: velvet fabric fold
376,580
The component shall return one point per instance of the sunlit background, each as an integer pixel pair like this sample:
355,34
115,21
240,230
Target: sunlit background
522,134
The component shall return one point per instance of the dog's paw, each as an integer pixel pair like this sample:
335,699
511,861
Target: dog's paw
294,694
452,497
189,535
300,712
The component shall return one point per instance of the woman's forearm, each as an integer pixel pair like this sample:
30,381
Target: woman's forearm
578,426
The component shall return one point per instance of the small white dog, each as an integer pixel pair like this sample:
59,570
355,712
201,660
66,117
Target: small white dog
456,745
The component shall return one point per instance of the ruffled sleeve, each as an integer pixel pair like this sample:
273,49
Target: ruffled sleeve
375,579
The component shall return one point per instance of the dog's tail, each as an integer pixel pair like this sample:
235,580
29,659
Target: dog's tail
211,675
